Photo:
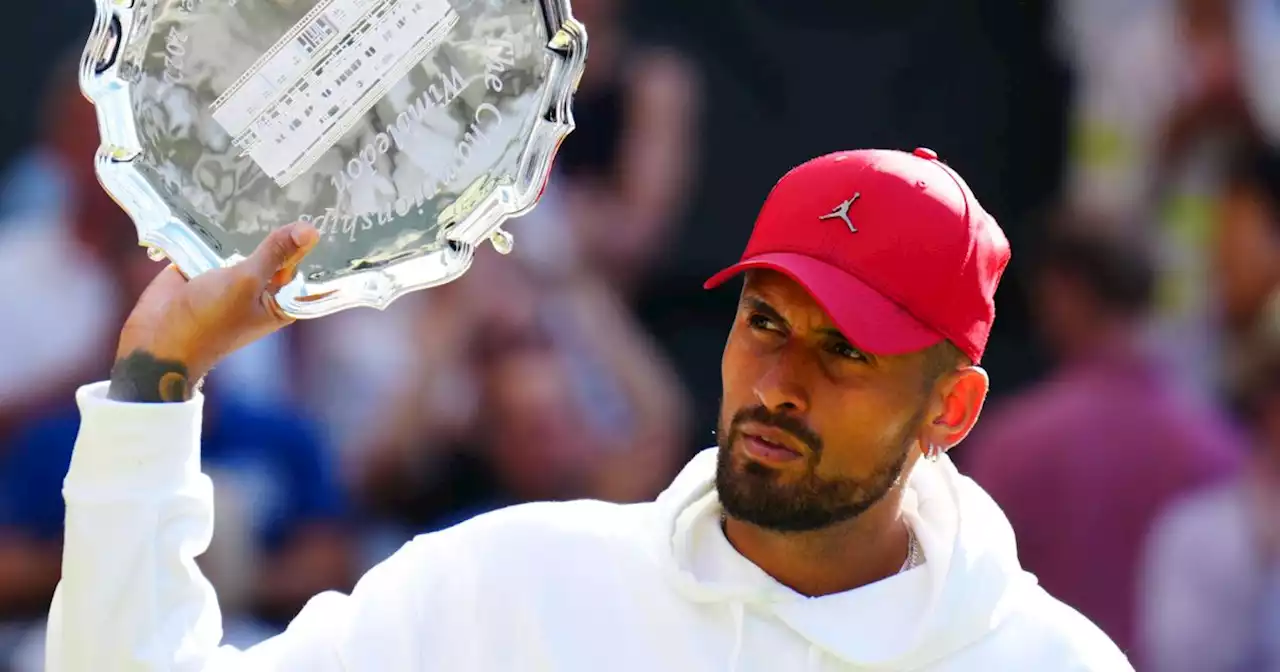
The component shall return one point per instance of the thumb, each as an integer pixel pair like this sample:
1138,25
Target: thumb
283,247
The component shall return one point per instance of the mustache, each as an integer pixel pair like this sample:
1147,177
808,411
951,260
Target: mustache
781,421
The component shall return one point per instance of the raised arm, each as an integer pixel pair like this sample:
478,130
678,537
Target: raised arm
139,510
132,598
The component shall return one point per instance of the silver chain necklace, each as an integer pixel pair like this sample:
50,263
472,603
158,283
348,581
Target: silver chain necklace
915,554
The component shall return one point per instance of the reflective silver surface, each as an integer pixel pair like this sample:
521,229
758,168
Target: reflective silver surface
408,131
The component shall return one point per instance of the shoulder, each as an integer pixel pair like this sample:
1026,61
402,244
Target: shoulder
1053,637
23,236
1216,512
1050,402
1014,435
1204,508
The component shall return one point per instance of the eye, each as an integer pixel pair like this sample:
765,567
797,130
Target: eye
761,322
845,350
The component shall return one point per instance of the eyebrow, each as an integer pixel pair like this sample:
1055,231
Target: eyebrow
761,306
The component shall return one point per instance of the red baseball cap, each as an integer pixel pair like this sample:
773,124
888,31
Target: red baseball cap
893,245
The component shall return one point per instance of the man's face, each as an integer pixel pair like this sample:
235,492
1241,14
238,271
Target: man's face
1247,254
812,431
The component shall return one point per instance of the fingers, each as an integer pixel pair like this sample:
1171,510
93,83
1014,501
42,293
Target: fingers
284,248
281,278
284,274
274,263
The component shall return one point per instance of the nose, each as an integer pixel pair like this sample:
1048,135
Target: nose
780,389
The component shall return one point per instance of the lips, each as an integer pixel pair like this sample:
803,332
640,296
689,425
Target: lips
774,438
769,445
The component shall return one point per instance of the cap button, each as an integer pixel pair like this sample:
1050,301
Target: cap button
926,153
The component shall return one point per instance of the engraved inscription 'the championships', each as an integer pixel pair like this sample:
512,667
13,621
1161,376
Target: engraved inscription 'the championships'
362,168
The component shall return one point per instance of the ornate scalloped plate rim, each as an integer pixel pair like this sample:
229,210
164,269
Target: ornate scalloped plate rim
372,288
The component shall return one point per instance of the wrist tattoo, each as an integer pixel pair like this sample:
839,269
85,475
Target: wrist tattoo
140,377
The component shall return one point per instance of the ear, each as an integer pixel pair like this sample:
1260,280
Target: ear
959,397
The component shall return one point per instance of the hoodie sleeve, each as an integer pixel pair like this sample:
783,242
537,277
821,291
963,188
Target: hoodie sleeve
139,511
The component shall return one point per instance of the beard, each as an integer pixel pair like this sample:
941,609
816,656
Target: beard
762,496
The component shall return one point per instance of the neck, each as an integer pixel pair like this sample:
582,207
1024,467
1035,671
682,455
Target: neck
848,555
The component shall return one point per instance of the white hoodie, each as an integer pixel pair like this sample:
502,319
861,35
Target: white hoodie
548,587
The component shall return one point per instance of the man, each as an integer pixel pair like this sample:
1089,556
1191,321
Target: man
1210,594
1209,599
1087,458
1246,253
827,531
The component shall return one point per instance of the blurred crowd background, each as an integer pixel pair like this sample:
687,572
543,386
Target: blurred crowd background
1128,147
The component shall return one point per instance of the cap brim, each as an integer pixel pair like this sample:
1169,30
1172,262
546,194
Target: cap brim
870,321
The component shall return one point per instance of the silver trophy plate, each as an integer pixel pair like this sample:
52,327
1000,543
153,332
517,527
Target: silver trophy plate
407,131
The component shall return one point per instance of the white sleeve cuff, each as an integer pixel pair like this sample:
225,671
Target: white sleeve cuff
128,450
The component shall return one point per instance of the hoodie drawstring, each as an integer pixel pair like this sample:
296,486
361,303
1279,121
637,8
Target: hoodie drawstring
736,609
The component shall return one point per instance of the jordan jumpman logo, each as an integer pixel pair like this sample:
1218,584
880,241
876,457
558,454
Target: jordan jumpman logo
842,212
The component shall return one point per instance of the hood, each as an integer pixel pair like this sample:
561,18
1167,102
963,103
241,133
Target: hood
970,580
